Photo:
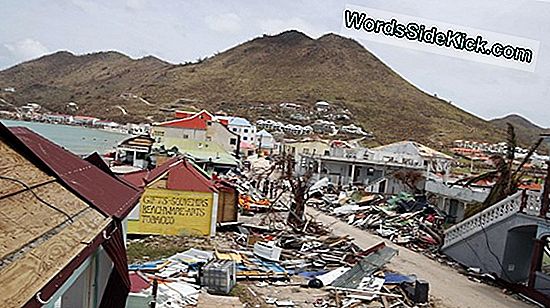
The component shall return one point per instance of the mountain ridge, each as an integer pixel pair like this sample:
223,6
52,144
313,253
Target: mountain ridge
260,73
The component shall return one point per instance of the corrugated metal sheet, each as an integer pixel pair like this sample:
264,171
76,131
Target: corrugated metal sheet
110,195
366,267
182,175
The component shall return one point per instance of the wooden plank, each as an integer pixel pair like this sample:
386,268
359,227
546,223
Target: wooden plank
27,275
19,281
25,218
60,197
14,165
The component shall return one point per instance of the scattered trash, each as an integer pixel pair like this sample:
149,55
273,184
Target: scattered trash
265,252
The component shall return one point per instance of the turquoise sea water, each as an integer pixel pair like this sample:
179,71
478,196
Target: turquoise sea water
79,140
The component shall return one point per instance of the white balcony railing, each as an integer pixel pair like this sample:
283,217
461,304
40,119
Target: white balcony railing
491,215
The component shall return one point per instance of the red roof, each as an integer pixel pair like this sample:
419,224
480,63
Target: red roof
138,282
108,194
184,114
182,175
190,120
530,186
193,120
192,123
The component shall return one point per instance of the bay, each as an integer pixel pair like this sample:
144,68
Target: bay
79,140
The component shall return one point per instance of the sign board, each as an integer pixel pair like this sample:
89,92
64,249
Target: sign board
173,212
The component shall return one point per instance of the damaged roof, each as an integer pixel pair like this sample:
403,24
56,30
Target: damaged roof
107,193
47,230
181,175
412,148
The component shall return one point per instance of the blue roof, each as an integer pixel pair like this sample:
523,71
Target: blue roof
238,121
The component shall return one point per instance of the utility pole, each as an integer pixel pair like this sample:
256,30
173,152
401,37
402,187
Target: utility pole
546,190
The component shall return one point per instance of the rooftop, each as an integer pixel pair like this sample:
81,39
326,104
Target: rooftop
201,151
46,228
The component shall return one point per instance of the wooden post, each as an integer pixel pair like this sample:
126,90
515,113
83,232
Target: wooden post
155,290
545,193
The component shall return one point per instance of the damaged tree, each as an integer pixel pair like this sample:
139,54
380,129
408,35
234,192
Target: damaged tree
410,179
298,188
506,179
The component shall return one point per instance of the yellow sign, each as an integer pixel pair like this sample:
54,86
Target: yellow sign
173,212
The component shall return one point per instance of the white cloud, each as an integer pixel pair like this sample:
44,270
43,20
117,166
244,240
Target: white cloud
135,4
276,26
224,23
26,49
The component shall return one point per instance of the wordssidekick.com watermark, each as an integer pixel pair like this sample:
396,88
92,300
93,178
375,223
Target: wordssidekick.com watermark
440,38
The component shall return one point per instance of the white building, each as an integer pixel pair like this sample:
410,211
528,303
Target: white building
413,154
322,106
241,127
265,140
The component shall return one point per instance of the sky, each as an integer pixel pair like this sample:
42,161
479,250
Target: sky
178,31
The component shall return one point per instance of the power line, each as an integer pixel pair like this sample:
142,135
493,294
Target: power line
37,196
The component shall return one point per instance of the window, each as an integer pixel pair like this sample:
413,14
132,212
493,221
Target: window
232,141
209,123
185,136
305,151
251,138
245,138
246,130
158,133
235,129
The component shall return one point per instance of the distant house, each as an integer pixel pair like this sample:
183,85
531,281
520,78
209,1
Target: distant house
200,126
247,149
208,155
354,130
297,148
178,198
57,118
324,127
84,120
241,127
135,151
63,245
290,106
413,154
265,141
322,106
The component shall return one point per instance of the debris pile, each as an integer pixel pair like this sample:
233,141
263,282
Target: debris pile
274,257
404,219
263,252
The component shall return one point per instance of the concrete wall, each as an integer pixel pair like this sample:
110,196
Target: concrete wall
306,148
457,192
340,173
219,134
247,132
510,249
160,132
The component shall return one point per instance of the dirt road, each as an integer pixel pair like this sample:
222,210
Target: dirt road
449,287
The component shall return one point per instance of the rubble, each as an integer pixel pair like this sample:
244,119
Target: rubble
404,219
265,252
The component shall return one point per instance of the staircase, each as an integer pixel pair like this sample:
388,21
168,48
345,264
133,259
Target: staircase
493,215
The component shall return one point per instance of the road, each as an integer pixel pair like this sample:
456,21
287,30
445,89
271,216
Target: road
450,288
